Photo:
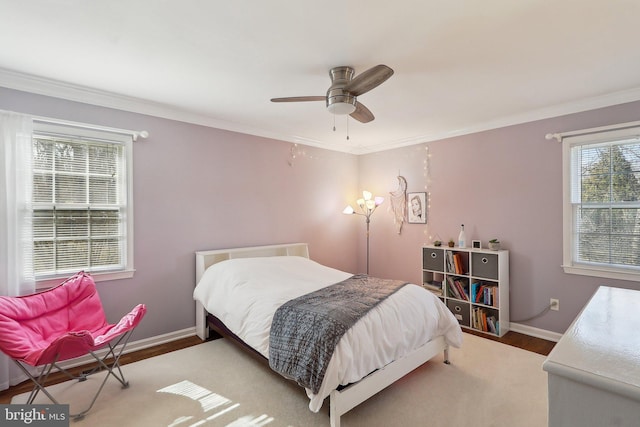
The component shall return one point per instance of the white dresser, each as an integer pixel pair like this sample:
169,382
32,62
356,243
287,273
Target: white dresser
594,370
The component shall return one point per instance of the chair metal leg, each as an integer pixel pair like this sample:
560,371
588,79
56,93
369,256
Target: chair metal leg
40,380
115,364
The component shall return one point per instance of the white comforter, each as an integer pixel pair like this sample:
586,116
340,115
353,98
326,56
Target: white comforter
244,293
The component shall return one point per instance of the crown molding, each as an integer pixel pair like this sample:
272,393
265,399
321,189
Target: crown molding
77,93
586,104
48,87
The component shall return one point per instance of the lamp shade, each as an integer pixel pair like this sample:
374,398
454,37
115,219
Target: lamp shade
348,210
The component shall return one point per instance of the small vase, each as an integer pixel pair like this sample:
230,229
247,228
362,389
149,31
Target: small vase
451,244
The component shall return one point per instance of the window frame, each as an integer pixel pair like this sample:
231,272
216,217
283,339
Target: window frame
587,137
88,133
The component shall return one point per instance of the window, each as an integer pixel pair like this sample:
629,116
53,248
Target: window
82,210
602,203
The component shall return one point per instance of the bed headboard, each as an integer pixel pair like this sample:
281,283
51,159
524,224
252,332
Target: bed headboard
205,259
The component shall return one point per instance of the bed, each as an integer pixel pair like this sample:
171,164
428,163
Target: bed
370,356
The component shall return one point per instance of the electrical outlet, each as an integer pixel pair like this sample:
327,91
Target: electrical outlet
555,304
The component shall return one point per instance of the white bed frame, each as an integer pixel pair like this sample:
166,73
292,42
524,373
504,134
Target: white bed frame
341,401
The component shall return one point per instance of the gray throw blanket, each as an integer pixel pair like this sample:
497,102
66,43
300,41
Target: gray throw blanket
305,331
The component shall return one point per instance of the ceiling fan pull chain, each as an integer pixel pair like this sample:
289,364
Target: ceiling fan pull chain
334,122
347,128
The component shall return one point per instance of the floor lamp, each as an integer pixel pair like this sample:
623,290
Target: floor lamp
368,205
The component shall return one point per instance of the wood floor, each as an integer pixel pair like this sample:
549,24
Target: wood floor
526,342
6,395
515,339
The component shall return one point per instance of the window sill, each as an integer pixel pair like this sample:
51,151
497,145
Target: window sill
97,277
631,275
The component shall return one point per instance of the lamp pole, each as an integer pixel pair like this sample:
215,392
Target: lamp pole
368,222
368,205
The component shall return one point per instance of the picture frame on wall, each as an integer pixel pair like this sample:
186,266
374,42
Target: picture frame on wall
417,208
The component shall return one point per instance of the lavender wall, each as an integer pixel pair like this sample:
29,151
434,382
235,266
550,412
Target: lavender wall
504,183
199,188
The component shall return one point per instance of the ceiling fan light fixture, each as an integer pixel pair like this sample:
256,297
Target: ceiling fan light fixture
341,104
341,108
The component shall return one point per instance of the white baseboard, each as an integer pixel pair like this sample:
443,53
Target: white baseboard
535,332
160,339
190,332
134,346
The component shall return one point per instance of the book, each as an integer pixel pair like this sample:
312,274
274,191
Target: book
450,262
453,289
461,289
457,262
483,293
473,291
491,323
434,287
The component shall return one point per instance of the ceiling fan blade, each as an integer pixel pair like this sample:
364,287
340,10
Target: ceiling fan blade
369,79
299,99
362,113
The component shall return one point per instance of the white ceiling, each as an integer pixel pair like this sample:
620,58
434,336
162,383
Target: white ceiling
460,65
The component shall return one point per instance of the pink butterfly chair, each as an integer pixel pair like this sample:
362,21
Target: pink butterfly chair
62,323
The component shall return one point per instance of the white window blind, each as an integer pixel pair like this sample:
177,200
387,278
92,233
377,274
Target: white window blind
82,212
602,204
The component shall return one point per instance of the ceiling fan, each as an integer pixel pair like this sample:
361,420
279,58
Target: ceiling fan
341,97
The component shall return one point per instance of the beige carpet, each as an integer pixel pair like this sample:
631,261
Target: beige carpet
487,384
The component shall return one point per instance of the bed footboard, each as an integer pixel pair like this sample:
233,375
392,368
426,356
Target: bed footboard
342,401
